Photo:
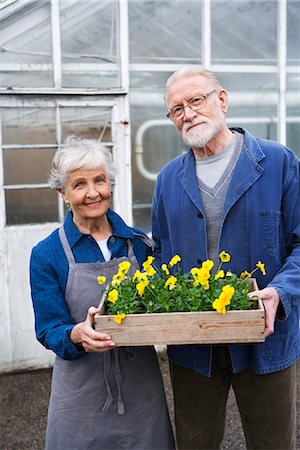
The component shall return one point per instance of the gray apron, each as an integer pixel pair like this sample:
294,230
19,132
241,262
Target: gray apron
110,400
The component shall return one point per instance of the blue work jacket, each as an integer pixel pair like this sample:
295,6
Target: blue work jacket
49,269
261,222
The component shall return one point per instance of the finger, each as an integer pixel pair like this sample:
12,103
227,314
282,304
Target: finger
98,346
254,295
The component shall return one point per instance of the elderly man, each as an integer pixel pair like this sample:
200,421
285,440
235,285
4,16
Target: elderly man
240,194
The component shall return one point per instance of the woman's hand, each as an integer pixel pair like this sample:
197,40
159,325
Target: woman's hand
92,341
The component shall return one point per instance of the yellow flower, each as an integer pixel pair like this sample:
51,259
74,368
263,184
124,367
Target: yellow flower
219,275
165,269
119,317
118,278
140,287
170,283
113,296
226,294
150,271
208,264
201,276
261,266
124,267
219,306
174,260
148,263
245,274
224,257
139,276
101,279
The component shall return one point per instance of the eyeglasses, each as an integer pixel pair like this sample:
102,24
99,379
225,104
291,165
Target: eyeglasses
194,103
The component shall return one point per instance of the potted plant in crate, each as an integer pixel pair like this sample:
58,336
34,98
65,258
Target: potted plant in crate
157,307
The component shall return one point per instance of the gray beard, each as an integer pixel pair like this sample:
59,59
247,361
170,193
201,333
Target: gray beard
200,136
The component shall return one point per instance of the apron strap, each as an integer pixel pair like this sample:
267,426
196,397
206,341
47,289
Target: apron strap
107,371
66,246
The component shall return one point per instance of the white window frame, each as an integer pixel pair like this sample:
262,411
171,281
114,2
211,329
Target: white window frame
120,146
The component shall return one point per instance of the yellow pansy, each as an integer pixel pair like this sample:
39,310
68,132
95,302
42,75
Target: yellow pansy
119,317
261,266
219,275
201,276
219,306
170,283
224,257
150,271
124,267
139,276
226,294
113,296
164,267
140,287
245,274
174,260
208,264
101,279
148,263
118,278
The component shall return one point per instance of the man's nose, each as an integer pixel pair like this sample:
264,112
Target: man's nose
189,113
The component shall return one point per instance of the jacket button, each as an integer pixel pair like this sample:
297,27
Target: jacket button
112,239
200,215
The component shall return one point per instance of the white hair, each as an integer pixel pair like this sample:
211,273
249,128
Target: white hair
190,71
77,153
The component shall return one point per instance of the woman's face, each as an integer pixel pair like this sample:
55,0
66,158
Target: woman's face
89,193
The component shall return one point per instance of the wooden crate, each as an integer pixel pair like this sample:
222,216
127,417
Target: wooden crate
208,327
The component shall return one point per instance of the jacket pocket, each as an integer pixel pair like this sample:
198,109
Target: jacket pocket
271,226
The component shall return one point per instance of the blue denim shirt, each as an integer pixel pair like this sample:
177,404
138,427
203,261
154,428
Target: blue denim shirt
261,221
49,272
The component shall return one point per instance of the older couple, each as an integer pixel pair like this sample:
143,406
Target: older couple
230,190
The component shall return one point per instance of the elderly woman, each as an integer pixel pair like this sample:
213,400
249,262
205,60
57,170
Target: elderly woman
102,397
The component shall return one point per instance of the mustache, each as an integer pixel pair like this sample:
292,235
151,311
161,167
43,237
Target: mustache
187,126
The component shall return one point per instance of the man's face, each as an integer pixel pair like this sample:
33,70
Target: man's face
199,127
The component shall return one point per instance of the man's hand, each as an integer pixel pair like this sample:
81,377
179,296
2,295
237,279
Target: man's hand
270,299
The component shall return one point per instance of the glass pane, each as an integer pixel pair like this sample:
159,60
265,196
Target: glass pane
293,32
249,81
293,82
90,122
79,78
148,81
26,42
244,32
165,32
28,126
31,206
160,143
89,43
260,120
18,165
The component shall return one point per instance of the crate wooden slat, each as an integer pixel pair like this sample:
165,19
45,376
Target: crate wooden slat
179,328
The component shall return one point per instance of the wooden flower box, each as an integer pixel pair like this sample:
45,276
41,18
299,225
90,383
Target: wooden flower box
177,328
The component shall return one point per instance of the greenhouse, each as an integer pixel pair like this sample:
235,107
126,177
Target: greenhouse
98,68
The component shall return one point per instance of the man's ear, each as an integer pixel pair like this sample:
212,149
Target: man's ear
223,97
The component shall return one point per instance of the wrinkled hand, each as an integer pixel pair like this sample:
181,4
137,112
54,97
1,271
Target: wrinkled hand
91,340
270,299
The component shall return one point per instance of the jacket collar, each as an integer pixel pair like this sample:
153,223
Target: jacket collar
120,229
246,171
